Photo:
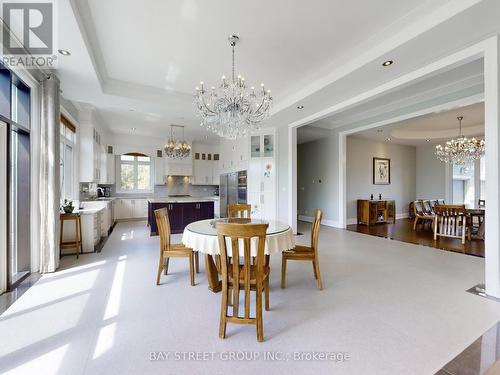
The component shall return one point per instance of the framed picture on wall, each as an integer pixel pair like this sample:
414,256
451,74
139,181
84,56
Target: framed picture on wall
381,171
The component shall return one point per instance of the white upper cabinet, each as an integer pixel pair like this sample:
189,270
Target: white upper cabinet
90,154
234,155
205,164
159,170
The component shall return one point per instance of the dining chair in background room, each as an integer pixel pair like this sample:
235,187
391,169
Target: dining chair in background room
421,214
451,221
236,210
427,205
169,250
243,276
305,253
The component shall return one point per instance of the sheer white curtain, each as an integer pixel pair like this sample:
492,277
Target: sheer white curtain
49,174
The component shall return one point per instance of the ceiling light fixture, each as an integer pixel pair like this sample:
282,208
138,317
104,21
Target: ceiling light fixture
388,139
64,52
380,131
300,107
232,110
427,140
387,63
176,149
461,150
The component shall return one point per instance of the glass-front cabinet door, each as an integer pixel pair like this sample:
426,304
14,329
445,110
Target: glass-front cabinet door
255,146
262,145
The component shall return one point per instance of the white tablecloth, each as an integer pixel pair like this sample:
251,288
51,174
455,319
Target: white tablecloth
209,244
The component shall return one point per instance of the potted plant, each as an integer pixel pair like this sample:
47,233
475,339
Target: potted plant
68,206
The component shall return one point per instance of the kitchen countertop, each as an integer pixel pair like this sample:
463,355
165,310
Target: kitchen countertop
183,199
92,207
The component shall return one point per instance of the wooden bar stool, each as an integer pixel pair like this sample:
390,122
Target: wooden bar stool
77,243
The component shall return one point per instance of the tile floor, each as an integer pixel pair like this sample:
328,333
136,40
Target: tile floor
394,308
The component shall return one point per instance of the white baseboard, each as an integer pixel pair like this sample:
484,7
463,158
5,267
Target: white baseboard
328,223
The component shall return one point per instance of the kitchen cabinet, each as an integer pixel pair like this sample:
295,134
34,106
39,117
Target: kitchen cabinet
178,168
130,208
262,144
159,170
90,154
205,172
107,174
180,214
261,184
234,155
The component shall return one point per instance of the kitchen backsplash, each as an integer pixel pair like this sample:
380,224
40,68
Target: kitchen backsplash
176,185
180,185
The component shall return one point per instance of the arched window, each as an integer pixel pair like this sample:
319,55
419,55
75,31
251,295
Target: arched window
135,173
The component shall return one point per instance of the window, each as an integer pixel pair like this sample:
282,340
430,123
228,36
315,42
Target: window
135,173
67,165
463,184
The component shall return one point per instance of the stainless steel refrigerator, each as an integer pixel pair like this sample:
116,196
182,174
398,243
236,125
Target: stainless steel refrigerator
232,189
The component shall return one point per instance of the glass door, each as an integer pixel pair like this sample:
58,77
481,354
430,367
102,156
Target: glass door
3,203
19,206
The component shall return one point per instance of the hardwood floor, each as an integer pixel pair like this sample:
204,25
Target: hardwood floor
402,230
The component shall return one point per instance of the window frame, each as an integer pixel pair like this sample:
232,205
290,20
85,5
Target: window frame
135,163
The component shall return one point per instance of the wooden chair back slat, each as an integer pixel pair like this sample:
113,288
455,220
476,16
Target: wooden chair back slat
451,221
235,210
419,208
163,224
318,216
427,206
241,234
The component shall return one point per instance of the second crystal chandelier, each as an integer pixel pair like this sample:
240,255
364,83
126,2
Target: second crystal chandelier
177,149
232,110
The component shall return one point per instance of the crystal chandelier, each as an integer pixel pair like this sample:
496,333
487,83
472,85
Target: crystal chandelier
177,149
461,150
232,110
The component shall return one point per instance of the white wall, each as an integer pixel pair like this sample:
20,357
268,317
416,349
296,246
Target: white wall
283,164
360,154
318,161
431,174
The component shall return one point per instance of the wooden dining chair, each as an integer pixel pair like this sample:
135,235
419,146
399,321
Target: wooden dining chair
421,214
451,221
243,276
427,205
169,250
307,253
239,210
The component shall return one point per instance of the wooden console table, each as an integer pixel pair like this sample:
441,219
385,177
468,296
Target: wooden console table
372,212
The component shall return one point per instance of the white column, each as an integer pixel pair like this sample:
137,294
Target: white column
492,138
342,181
292,178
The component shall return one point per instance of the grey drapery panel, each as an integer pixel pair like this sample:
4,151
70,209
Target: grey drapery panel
49,174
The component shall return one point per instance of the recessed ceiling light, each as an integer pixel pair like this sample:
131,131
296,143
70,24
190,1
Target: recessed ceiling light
64,52
300,107
387,63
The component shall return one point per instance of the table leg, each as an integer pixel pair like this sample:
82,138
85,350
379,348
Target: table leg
214,283
480,232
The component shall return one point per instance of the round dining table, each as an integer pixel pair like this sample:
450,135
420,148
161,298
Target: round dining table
201,236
